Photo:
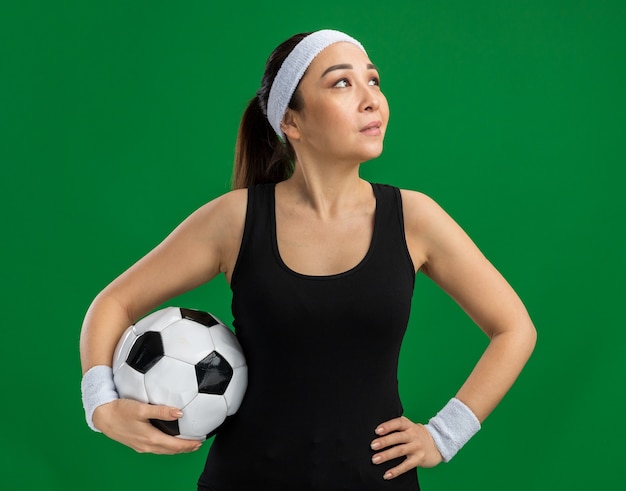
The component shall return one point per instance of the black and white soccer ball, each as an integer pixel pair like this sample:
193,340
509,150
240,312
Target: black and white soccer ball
186,359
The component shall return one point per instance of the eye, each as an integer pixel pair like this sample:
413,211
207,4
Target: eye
374,81
342,83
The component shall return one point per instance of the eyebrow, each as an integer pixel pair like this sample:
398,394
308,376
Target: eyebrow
346,66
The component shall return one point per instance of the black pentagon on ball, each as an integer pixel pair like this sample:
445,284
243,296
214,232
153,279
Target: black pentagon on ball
213,374
169,427
146,352
198,316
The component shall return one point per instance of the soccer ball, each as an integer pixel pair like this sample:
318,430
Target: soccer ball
186,359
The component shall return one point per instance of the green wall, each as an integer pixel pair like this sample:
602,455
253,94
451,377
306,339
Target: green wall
118,119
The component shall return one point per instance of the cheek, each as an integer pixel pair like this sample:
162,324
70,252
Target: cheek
325,117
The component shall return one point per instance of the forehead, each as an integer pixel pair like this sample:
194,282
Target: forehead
336,54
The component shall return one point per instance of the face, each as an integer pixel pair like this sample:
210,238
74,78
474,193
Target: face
345,113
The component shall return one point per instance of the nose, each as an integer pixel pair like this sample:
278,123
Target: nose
370,100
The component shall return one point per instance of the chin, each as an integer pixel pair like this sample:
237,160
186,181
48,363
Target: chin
373,153
361,152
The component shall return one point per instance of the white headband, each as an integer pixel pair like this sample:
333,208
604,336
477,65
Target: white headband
293,68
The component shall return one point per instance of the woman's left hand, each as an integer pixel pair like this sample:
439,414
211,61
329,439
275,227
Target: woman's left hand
400,437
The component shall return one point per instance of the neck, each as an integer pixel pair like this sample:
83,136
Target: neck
327,189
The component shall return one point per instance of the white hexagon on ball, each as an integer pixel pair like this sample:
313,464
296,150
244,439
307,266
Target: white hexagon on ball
130,383
171,382
227,345
202,415
187,341
158,320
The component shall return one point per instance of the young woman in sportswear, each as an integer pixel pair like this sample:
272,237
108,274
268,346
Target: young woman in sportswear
321,265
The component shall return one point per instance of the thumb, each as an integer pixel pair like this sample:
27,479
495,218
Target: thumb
165,413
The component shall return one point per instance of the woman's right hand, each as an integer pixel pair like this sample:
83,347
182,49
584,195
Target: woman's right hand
128,422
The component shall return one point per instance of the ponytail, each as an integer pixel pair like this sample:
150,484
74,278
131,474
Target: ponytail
260,157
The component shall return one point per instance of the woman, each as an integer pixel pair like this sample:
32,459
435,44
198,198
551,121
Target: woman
322,266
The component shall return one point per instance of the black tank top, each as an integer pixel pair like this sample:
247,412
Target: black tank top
322,354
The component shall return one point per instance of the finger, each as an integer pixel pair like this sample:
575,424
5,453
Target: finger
396,424
399,430
404,466
391,453
389,440
157,442
165,413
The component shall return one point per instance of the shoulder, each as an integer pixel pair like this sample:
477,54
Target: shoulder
419,208
415,197
226,207
231,201
220,220
431,232
218,226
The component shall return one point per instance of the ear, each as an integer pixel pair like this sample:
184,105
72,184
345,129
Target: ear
289,125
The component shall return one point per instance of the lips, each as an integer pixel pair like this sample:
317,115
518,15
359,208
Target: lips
372,128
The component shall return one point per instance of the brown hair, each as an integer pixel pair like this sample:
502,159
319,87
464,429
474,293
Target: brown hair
260,156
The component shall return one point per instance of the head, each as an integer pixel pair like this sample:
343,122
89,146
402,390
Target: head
345,114
264,151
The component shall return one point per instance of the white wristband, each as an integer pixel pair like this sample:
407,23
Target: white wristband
97,388
452,428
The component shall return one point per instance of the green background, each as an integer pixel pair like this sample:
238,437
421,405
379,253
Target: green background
118,119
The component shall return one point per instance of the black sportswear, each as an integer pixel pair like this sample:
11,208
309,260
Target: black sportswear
322,354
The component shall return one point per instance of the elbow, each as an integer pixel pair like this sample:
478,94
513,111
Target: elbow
526,337
521,336
532,337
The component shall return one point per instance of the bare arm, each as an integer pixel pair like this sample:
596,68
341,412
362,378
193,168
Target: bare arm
201,247
450,258
444,252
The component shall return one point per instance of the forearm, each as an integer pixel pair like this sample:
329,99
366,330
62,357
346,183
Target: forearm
104,323
497,369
